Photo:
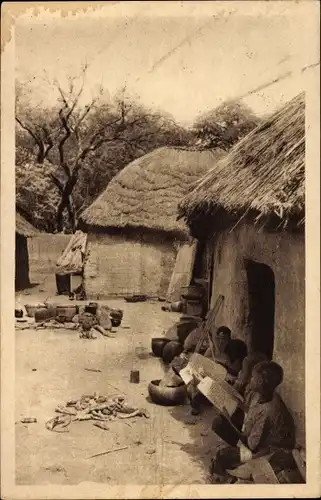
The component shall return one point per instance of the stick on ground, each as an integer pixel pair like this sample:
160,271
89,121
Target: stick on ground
109,451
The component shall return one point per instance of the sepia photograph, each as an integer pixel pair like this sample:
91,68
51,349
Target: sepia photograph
160,155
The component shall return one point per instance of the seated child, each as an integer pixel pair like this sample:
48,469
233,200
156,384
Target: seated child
220,424
268,425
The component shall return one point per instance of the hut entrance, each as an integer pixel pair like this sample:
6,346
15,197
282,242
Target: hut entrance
22,263
261,290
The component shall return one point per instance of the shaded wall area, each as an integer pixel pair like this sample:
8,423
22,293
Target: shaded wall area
21,263
284,254
121,264
44,251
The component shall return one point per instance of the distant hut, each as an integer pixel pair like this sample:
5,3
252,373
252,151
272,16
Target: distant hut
251,208
24,230
133,232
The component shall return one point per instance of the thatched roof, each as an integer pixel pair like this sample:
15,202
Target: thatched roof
72,259
262,177
24,228
145,194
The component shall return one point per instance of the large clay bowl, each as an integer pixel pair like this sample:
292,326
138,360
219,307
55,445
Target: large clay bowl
158,344
171,350
166,396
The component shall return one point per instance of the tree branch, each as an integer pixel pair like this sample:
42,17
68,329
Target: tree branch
27,129
57,183
62,142
49,141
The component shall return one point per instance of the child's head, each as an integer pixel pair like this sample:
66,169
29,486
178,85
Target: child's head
248,364
266,376
222,337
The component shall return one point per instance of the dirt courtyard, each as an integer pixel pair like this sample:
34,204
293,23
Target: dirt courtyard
51,369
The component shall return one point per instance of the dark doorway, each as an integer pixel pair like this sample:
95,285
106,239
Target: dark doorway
261,290
22,263
199,271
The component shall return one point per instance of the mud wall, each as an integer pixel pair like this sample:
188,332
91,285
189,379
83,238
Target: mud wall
45,249
119,265
284,253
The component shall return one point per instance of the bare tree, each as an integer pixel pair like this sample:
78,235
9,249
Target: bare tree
73,133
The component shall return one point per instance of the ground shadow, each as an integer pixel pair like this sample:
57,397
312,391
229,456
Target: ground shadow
204,441
30,287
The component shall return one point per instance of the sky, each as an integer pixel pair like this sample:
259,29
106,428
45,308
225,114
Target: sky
183,58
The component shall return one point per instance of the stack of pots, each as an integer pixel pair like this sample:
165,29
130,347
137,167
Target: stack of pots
193,297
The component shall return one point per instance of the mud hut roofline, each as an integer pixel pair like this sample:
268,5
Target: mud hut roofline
263,175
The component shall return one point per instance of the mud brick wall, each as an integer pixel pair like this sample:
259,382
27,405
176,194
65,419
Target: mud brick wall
119,265
284,253
47,248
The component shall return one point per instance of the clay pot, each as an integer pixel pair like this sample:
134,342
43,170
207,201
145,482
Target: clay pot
171,350
45,314
91,308
194,307
116,313
166,396
176,306
158,344
192,292
115,322
67,311
184,328
32,308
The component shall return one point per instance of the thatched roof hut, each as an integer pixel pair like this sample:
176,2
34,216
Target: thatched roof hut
238,210
24,228
145,194
262,177
133,231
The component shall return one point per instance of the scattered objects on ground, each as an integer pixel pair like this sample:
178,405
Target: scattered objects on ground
88,319
98,408
136,298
